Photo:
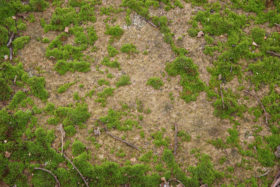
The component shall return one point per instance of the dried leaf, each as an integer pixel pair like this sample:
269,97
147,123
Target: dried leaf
66,29
200,34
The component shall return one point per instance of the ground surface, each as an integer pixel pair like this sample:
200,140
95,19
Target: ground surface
160,109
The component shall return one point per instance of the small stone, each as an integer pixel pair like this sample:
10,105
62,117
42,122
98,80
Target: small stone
66,29
200,34
6,57
7,154
133,159
277,152
5,141
97,131
14,17
254,44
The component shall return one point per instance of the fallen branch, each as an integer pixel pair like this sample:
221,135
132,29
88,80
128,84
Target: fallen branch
174,179
222,96
60,128
51,173
262,106
76,169
175,138
266,173
11,40
117,138
11,53
275,183
273,53
121,140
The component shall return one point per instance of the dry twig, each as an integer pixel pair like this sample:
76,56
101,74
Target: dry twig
117,138
76,169
175,138
174,179
121,140
260,103
222,96
11,53
273,53
11,40
60,128
51,173
266,173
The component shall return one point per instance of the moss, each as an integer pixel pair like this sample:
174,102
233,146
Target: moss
112,51
63,88
146,157
92,36
266,71
190,81
78,148
128,48
38,5
114,119
20,42
63,66
5,91
17,99
184,136
102,96
37,87
102,82
115,31
76,115
159,140
123,81
113,64
155,82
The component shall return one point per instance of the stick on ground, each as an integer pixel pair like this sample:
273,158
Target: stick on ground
260,103
175,139
11,40
51,173
222,96
76,169
273,53
60,128
121,140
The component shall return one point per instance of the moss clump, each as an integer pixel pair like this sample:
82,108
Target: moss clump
266,71
63,66
38,5
159,140
63,88
112,51
17,99
115,31
112,64
102,96
114,119
184,136
102,82
123,81
71,116
20,42
129,49
190,81
5,91
155,82
78,148
37,87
